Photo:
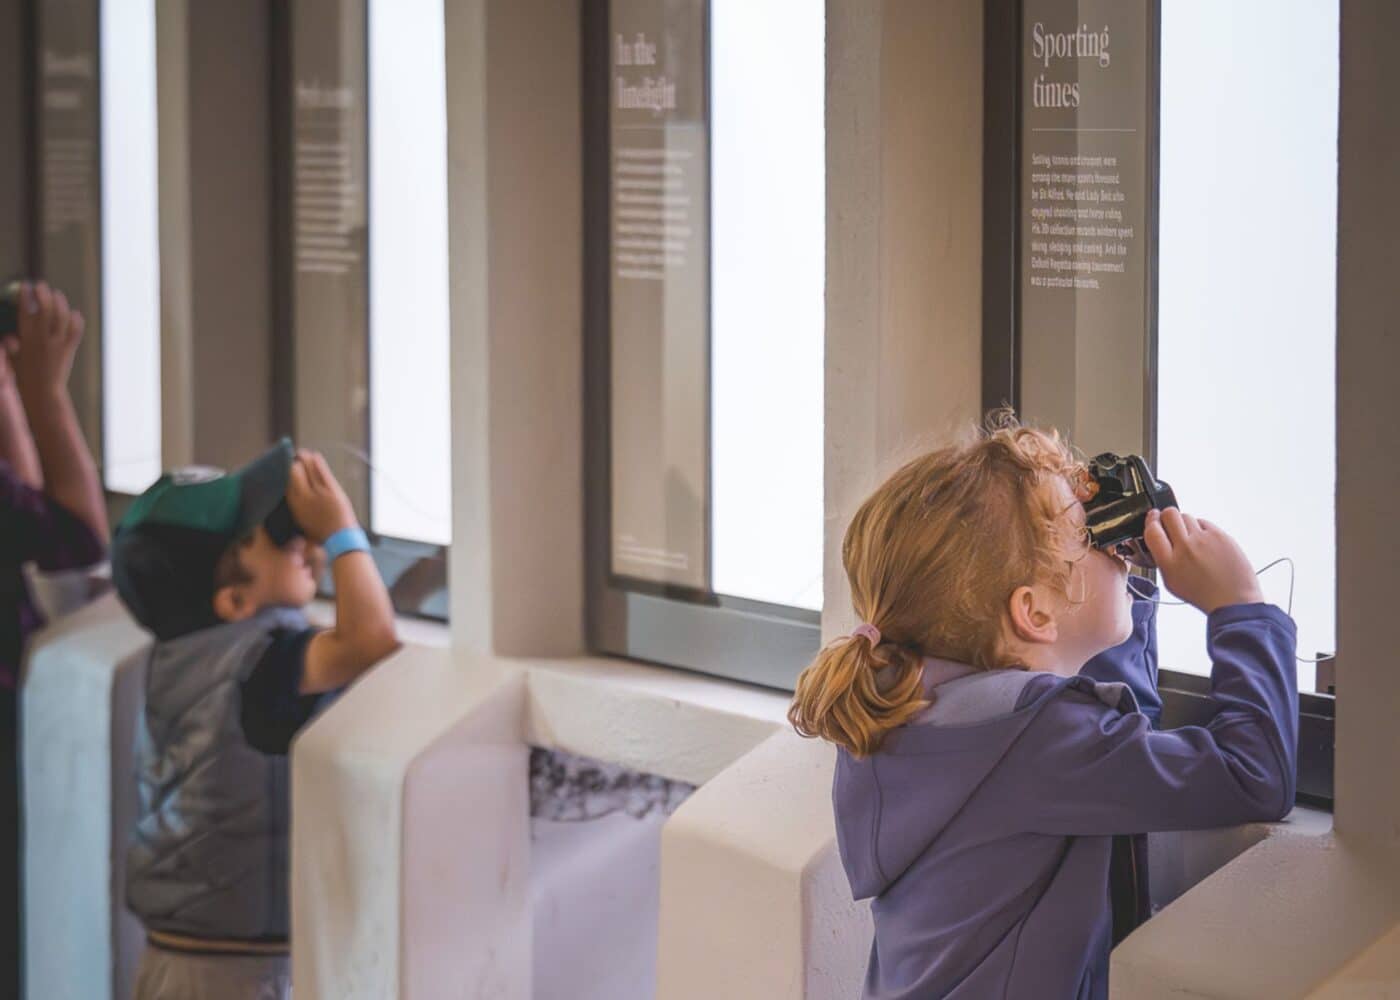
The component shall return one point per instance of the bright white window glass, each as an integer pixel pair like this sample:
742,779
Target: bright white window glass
1247,286
130,247
409,431
768,242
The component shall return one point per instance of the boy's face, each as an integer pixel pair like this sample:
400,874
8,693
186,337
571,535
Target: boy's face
273,576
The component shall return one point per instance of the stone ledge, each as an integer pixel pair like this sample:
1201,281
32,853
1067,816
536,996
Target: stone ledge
81,697
410,835
1281,920
749,866
388,852
1183,859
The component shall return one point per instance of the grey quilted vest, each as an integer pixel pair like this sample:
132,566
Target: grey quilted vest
210,854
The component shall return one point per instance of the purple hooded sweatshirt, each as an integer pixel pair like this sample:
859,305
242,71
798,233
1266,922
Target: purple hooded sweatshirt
1001,832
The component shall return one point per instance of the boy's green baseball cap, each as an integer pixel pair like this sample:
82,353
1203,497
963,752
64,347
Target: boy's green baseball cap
166,547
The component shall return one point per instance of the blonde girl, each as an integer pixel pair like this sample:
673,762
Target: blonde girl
994,714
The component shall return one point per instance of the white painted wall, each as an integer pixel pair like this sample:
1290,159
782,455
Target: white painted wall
904,248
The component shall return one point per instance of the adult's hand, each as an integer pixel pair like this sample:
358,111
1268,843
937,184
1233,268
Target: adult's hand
49,333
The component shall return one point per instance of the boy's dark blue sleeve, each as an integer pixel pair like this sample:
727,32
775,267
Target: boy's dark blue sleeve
274,709
1134,662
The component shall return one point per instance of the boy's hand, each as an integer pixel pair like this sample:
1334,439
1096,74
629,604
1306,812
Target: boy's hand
48,337
364,631
317,501
1200,563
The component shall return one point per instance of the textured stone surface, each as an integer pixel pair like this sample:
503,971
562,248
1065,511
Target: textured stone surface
566,787
594,869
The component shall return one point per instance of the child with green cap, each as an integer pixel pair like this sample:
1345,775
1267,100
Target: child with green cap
219,567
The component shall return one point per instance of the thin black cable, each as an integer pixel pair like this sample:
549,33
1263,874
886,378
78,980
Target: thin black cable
1292,579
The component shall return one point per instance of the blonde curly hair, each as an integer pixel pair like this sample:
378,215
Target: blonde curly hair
933,556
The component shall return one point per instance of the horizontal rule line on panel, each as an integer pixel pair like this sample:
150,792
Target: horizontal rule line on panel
335,242
640,229
653,199
647,184
1083,130
650,169
652,215
316,254
632,153
651,259
653,556
675,246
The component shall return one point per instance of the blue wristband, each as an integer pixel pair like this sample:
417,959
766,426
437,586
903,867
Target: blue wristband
351,539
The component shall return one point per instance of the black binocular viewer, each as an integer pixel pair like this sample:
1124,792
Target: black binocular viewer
1124,491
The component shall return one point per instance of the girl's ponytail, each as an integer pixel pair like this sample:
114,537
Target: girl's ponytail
932,557
856,691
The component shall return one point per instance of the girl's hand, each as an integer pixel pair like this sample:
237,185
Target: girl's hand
49,333
1200,563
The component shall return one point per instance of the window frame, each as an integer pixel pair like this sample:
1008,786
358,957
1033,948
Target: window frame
1185,696
393,556
744,640
79,26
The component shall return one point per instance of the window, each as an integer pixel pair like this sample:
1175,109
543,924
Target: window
1164,283
366,296
130,247
768,231
1246,351
342,342
705,273
62,82
410,488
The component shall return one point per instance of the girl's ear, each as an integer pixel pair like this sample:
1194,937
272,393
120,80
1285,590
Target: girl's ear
1030,616
231,604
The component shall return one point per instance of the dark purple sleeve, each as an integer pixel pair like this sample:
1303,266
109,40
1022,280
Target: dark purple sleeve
1134,662
1082,767
35,528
